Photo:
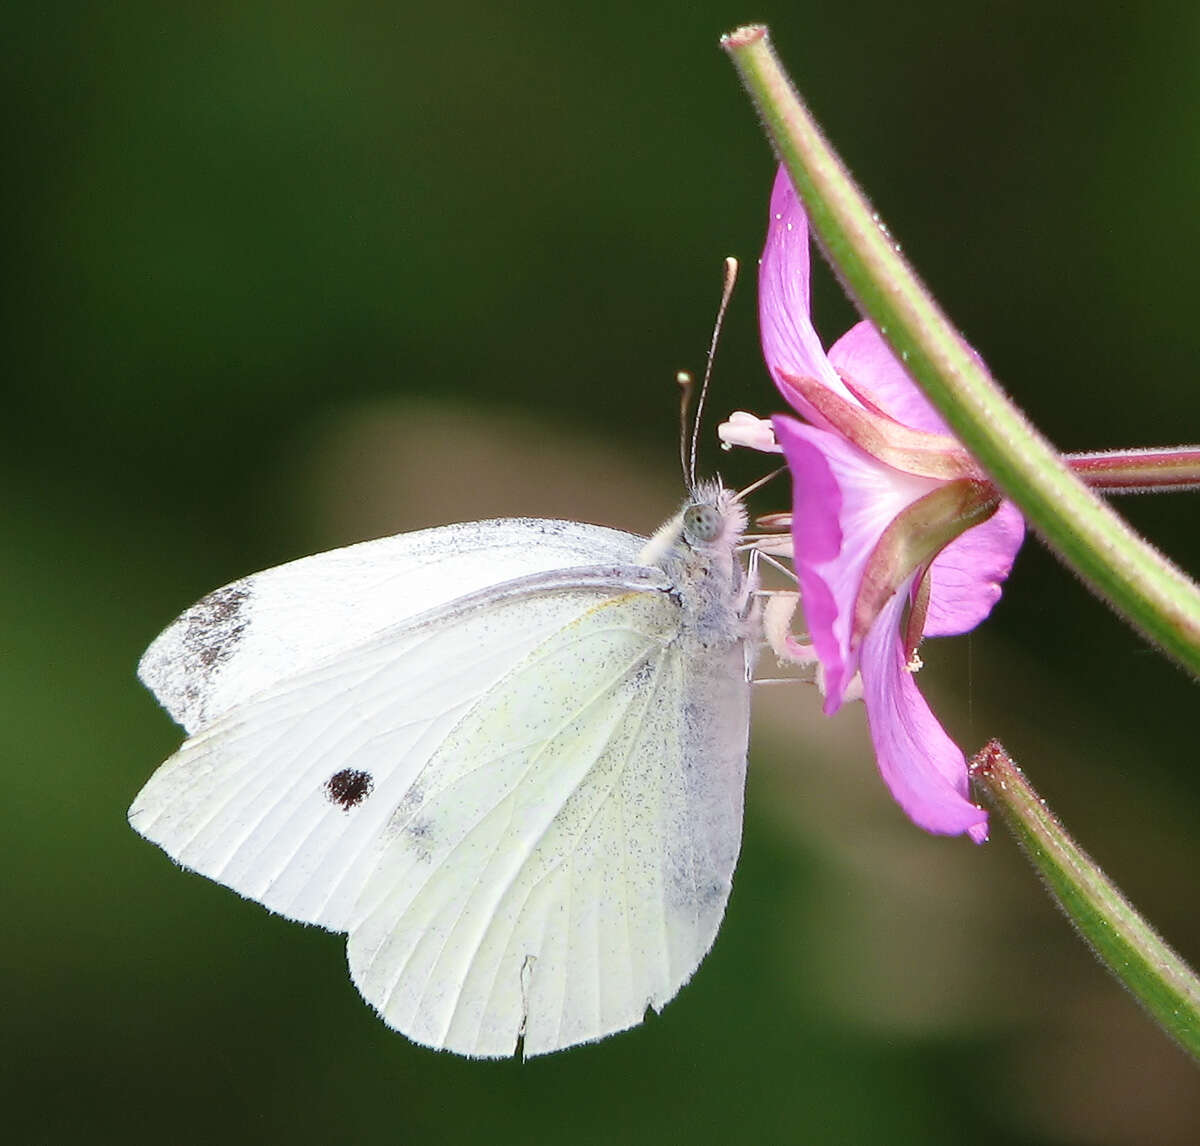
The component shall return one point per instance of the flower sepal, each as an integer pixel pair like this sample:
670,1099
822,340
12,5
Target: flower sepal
909,544
919,452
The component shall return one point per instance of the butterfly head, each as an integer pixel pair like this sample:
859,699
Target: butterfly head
711,521
713,518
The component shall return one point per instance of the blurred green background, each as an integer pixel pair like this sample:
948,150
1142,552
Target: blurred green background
284,276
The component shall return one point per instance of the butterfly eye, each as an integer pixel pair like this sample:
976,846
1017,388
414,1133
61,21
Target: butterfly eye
701,523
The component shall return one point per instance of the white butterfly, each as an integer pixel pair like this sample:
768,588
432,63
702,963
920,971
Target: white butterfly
506,758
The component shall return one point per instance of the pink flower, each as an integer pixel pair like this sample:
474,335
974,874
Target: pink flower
897,533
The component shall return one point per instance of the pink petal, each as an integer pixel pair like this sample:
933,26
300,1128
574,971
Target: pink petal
923,768
789,342
967,574
865,359
842,501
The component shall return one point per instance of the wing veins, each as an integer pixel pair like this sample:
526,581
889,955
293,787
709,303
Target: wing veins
249,779
584,577
618,775
545,742
662,896
592,577
487,761
371,841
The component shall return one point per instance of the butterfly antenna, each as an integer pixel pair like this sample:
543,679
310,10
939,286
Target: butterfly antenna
742,494
731,272
687,391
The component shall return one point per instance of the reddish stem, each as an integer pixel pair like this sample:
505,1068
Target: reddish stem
1135,471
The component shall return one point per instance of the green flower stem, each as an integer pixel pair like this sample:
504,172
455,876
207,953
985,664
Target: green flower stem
1138,581
1139,471
1162,982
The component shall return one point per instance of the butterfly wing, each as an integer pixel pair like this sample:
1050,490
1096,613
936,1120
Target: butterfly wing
524,807
569,858
246,636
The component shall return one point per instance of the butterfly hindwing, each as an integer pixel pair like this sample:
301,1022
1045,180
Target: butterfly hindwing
557,883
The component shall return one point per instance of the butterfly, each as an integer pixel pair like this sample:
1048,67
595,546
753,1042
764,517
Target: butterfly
506,758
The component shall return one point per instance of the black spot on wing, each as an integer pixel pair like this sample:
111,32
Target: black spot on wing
348,788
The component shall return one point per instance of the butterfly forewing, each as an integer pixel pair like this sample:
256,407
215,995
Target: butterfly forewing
254,632
284,797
